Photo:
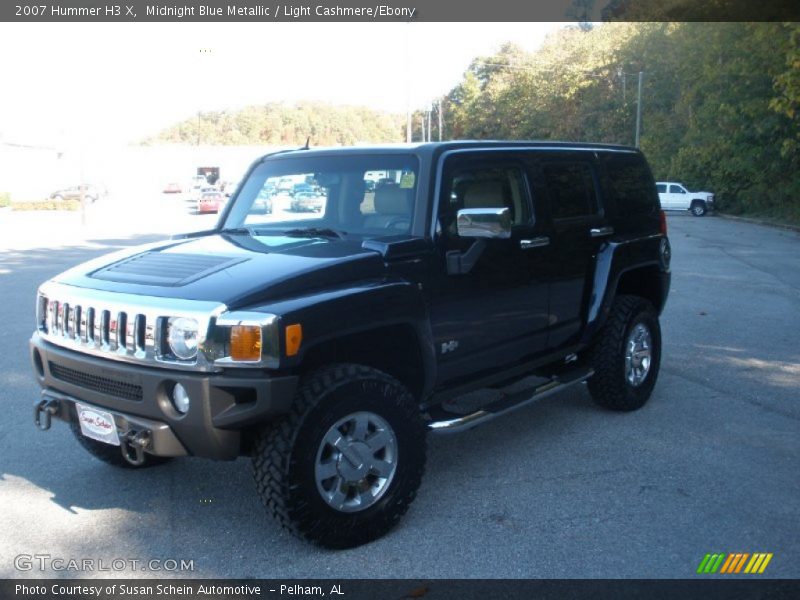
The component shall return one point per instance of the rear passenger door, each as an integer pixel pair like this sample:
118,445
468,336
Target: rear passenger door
569,181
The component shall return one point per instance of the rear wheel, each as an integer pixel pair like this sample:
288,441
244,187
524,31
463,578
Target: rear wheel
627,355
698,208
345,464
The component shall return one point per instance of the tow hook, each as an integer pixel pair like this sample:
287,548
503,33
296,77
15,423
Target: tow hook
43,410
133,444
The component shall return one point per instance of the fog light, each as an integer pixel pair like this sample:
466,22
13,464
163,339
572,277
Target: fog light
180,398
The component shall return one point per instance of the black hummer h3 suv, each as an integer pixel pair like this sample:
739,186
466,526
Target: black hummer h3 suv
326,346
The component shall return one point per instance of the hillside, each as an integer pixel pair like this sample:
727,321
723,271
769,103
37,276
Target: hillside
287,125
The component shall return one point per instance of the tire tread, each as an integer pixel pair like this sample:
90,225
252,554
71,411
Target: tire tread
272,459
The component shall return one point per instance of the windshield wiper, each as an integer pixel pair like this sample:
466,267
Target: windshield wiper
248,230
315,232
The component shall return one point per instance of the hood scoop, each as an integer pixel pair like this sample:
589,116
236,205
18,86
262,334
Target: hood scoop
164,268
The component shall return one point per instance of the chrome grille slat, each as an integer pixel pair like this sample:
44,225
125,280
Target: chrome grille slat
139,333
122,332
105,329
88,331
64,319
76,326
120,327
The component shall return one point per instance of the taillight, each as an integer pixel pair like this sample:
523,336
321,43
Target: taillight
662,223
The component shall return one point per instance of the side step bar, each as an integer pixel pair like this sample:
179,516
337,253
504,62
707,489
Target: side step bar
511,402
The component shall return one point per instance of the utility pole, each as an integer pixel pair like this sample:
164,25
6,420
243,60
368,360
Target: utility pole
422,124
430,110
440,119
409,133
81,184
639,109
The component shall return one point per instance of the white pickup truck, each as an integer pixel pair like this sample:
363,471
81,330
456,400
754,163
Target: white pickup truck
674,196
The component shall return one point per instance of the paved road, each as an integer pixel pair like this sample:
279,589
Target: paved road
561,489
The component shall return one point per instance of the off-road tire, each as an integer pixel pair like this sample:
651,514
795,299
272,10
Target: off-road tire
609,387
112,455
285,453
698,208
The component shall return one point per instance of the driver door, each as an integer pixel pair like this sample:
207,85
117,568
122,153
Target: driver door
496,314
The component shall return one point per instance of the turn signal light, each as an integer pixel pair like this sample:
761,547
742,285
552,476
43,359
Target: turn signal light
662,218
246,342
294,337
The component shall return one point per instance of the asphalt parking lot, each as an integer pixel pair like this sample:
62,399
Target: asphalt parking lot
560,489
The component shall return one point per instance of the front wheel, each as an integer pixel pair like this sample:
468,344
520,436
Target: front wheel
345,464
698,208
627,355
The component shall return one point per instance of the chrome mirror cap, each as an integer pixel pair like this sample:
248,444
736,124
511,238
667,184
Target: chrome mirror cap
484,222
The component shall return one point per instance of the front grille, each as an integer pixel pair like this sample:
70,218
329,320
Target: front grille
121,327
102,385
112,331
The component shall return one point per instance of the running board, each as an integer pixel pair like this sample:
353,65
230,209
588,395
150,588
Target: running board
511,402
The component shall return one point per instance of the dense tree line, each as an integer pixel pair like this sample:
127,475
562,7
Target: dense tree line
720,105
287,125
720,102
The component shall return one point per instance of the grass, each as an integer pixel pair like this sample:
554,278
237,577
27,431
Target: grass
787,214
47,205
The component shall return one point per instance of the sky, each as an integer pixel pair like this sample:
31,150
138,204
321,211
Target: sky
95,84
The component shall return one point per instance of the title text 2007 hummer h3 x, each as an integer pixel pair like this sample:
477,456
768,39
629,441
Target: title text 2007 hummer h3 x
327,345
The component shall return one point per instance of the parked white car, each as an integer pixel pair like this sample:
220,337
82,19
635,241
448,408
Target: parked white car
674,196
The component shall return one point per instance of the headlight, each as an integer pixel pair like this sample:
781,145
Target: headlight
182,336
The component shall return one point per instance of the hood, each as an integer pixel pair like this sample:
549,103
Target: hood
232,268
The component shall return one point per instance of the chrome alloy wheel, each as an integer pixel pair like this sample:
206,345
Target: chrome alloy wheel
356,462
638,355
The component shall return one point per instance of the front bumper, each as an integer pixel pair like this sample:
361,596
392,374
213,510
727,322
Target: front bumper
222,405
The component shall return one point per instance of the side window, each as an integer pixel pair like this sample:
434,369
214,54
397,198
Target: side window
629,182
676,189
388,199
571,189
479,186
661,188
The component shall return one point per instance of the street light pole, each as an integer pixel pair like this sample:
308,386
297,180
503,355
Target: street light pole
639,109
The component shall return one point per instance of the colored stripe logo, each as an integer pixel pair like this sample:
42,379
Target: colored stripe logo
736,562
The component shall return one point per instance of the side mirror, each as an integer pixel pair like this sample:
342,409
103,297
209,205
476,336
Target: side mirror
484,222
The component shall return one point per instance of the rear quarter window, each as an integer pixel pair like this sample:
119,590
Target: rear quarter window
629,183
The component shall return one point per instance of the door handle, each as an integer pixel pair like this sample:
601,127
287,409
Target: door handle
601,231
536,242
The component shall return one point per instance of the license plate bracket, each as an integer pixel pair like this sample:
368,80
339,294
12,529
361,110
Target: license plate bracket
97,424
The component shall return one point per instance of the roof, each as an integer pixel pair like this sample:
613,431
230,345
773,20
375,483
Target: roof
439,147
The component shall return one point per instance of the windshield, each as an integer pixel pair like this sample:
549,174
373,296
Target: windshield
369,195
